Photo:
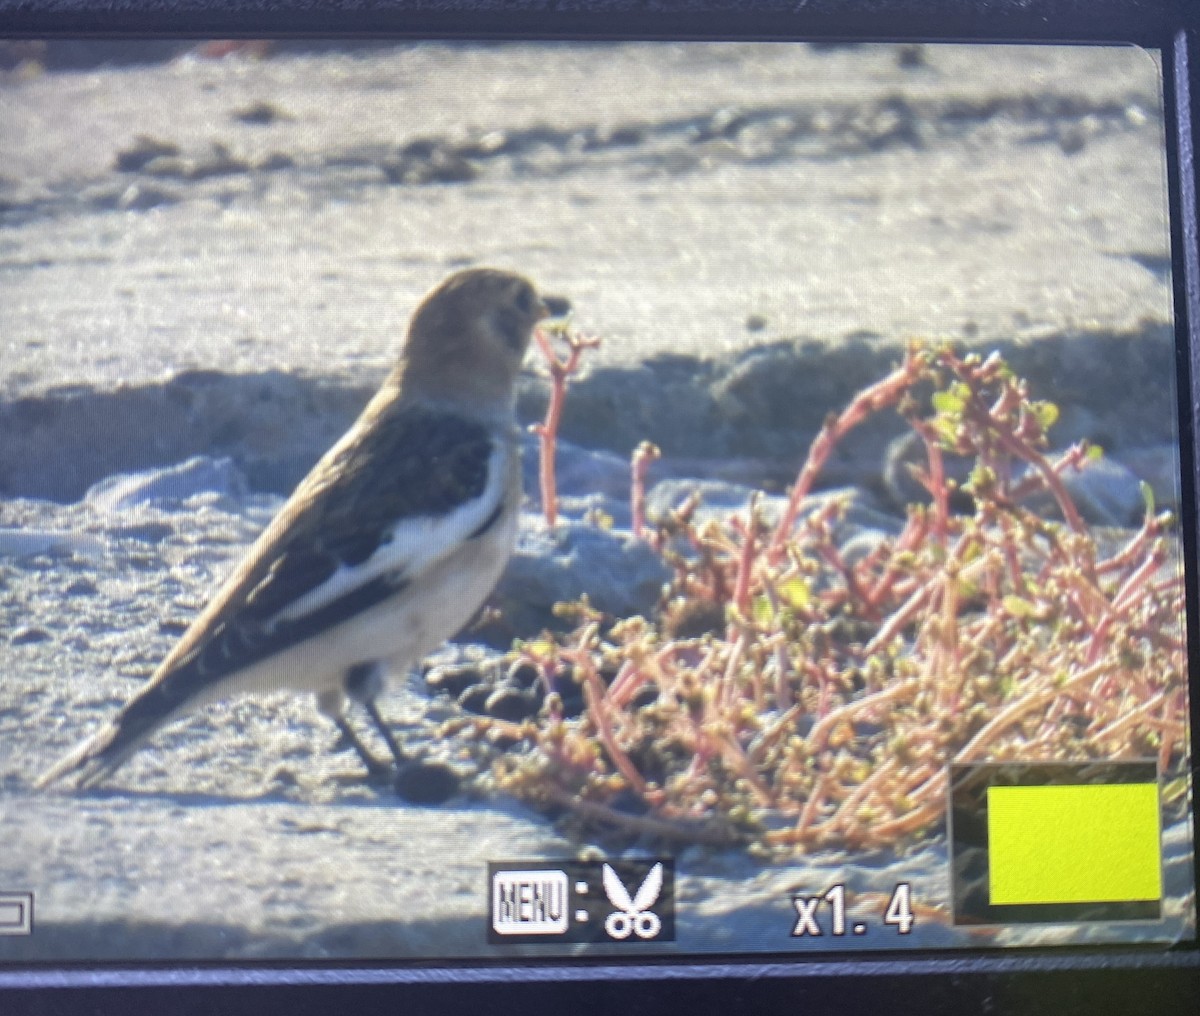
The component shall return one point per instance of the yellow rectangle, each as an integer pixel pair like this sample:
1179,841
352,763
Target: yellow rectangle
1074,844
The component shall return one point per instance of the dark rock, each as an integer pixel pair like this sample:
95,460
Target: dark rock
610,137
475,699
441,165
502,741
28,635
169,484
621,575
275,161
572,697
453,680
260,113
523,675
426,783
510,704
144,150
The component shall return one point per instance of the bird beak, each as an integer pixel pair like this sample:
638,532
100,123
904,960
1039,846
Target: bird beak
555,306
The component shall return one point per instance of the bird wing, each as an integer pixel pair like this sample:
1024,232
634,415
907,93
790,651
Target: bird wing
402,489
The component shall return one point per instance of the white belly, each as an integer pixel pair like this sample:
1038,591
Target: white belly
401,629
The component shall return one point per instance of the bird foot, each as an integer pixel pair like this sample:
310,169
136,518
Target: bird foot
348,740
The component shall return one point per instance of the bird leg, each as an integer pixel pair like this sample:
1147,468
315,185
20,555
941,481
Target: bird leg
414,780
385,732
332,703
363,683
349,736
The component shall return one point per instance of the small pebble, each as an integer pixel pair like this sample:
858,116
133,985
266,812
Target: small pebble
522,675
510,704
453,681
260,113
475,698
426,783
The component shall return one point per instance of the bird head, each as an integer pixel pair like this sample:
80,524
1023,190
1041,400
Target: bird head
469,335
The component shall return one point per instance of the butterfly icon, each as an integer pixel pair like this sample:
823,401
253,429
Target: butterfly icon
633,916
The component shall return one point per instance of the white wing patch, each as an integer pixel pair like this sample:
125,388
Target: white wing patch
411,545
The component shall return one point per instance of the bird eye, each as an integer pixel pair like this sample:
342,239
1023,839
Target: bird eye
513,326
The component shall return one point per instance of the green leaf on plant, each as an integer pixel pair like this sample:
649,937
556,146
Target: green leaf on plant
947,402
1019,607
796,592
1046,414
761,610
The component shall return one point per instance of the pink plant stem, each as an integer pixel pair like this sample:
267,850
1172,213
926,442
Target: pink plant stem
547,431
1126,596
812,806
732,753
645,454
845,817
1132,550
728,688
1049,476
914,532
936,480
783,691
870,400
824,727
594,693
899,619
781,726
629,678
741,586
832,557
1075,457
949,662
933,795
1122,604
1026,704
1129,719
1173,731
546,668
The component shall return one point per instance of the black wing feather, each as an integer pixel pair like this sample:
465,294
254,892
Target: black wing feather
416,462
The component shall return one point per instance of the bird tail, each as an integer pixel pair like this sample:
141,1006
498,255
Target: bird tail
90,761
106,750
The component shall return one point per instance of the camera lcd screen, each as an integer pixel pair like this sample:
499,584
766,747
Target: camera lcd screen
492,500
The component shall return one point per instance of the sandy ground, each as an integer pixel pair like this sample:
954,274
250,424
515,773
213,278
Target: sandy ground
243,291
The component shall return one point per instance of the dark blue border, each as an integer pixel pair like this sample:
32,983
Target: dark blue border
1150,22
1063,983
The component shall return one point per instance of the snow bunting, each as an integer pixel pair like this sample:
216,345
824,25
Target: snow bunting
385,550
